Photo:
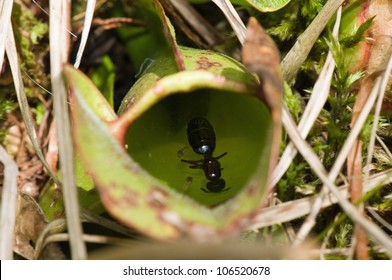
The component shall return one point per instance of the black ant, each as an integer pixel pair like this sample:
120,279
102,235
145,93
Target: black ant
201,137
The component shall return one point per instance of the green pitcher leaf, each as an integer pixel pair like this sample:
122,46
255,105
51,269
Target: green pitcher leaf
51,199
144,162
148,187
156,39
194,60
268,5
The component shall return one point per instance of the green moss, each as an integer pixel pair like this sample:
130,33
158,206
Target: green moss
293,102
30,34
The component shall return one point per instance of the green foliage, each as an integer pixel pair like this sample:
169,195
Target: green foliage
343,235
343,78
337,118
368,126
275,235
34,28
293,102
286,29
333,127
104,77
386,203
311,8
295,175
6,106
39,112
38,31
356,35
292,20
30,33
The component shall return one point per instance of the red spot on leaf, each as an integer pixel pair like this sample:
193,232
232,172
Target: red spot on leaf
205,64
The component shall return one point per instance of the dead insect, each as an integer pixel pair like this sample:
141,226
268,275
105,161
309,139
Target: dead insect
181,152
187,184
201,137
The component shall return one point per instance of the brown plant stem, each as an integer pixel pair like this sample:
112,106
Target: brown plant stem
261,56
354,169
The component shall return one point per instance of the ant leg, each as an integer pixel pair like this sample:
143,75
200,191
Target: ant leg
196,162
200,166
221,156
204,190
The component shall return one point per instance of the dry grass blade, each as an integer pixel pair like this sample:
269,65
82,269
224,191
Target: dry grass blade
354,159
291,210
379,219
303,147
377,118
106,223
5,20
52,228
59,43
299,52
361,238
233,18
316,103
197,22
8,205
310,221
384,146
22,99
86,30
338,164
90,238
7,216
312,111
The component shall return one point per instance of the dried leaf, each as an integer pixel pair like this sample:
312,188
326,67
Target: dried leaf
29,224
261,56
